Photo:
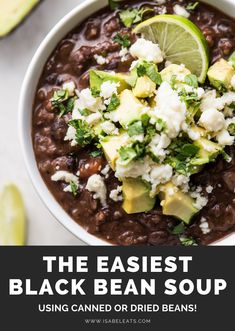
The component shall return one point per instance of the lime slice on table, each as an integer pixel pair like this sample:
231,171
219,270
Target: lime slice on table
12,217
181,41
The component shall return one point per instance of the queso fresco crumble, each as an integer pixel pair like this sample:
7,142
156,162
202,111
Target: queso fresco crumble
156,126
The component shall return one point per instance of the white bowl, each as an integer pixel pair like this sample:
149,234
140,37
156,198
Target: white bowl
65,25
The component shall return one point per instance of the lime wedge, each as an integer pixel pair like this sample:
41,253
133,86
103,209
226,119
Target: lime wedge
12,217
181,41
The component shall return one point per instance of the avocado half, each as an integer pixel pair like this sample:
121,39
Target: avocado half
13,12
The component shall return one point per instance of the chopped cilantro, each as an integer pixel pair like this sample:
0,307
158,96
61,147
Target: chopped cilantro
173,81
84,134
231,129
62,102
127,154
122,40
178,229
160,125
74,188
133,152
114,103
113,4
150,70
95,92
96,153
232,59
191,80
132,16
188,241
192,5
84,112
135,129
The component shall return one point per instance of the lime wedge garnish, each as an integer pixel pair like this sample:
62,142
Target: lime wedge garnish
12,217
181,41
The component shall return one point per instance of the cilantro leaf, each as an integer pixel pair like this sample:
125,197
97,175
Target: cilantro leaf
178,229
192,5
132,16
84,134
135,129
113,4
114,103
188,241
191,80
62,102
122,40
231,129
96,153
95,92
127,154
74,188
149,69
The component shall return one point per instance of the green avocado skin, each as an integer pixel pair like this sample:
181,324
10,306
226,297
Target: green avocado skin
13,13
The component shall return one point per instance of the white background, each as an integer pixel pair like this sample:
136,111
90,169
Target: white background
16,51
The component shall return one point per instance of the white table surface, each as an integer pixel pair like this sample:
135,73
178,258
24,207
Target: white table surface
16,51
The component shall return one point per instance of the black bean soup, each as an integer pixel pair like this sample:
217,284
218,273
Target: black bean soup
72,59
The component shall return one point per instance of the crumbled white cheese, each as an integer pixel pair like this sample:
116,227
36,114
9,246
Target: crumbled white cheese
64,176
210,100
167,63
100,59
133,169
105,171
69,87
212,120
204,226
96,185
224,138
123,54
109,128
209,189
170,109
116,194
159,174
87,101
93,118
162,11
181,181
158,145
200,200
146,50
108,88
181,11
71,135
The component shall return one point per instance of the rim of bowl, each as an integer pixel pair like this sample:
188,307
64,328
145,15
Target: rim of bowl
66,24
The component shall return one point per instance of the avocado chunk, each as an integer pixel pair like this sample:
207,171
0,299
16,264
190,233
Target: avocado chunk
177,203
98,77
174,70
13,12
144,87
208,151
220,74
136,196
111,146
129,110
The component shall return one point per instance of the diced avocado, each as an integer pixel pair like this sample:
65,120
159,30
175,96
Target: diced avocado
220,74
144,87
208,151
111,146
13,12
174,70
98,77
136,196
176,203
129,109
